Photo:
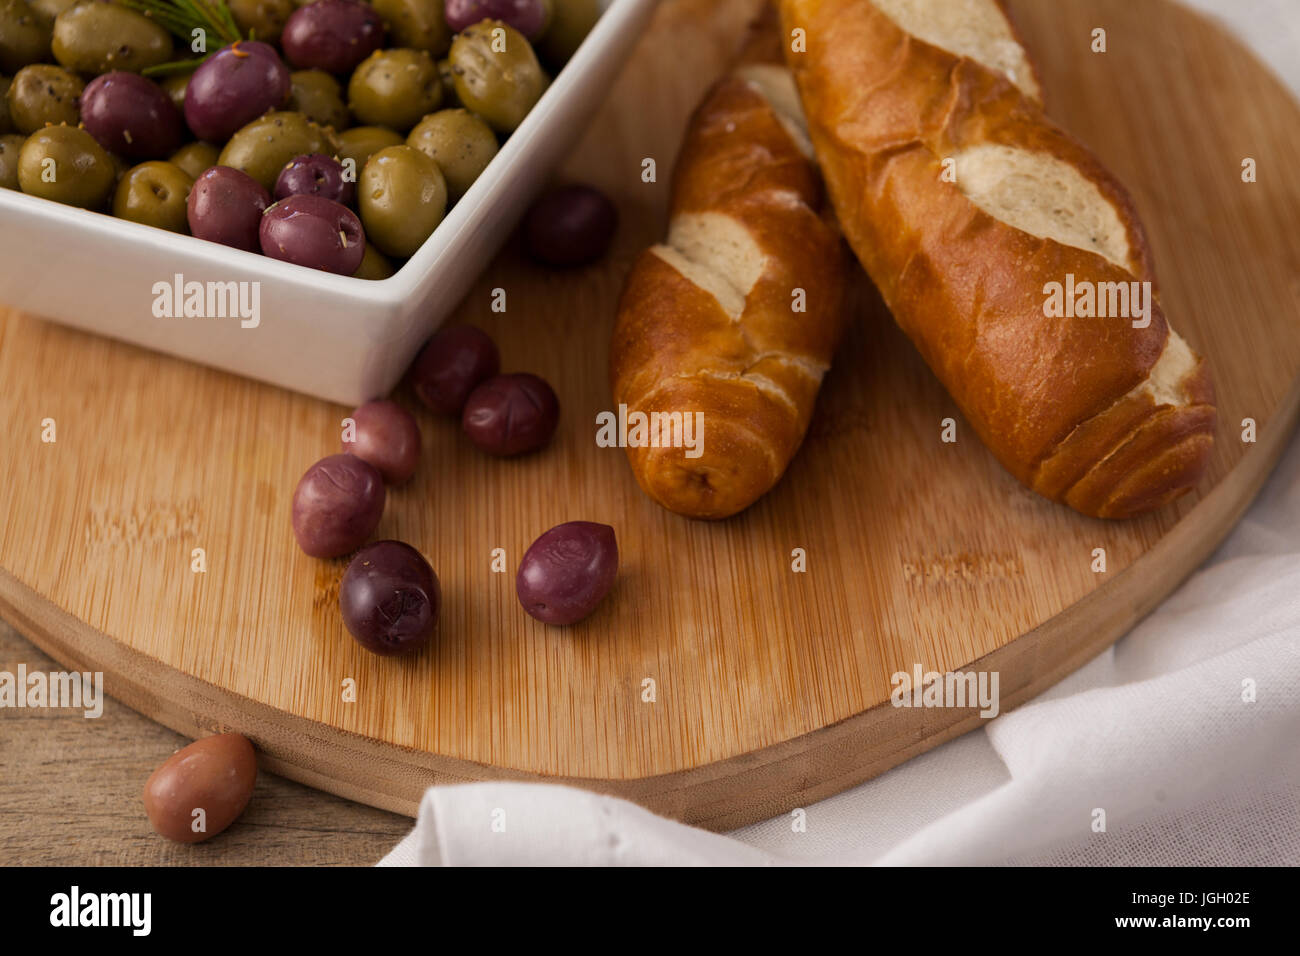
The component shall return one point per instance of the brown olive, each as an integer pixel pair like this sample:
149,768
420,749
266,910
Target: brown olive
201,789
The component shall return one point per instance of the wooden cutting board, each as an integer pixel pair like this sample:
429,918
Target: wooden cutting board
771,686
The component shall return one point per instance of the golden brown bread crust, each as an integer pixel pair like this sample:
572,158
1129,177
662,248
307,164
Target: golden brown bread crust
1064,403
676,348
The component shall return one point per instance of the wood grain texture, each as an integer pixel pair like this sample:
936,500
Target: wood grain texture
772,686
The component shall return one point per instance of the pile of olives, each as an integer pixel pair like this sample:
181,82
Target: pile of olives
335,136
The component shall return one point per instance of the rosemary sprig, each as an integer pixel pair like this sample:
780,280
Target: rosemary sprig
183,17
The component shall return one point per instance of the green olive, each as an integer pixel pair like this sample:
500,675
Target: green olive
264,18
6,124
496,73
41,94
195,158
97,37
318,96
394,88
415,24
154,193
359,143
64,163
373,265
459,142
402,197
263,146
47,10
570,24
10,145
24,39
449,97
174,85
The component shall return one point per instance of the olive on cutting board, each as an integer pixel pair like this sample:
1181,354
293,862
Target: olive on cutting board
65,164
566,573
451,365
337,506
459,142
155,193
43,95
93,37
389,598
511,415
386,435
570,226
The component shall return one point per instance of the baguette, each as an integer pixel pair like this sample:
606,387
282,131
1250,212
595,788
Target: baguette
709,321
1109,418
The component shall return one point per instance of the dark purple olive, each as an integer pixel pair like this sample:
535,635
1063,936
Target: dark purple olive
226,206
451,365
570,226
511,414
529,17
131,116
567,572
233,87
315,175
386,435
331,35
389,598
337,505
314,232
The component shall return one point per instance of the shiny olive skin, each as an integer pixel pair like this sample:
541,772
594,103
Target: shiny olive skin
337,506
233,87
96,37
331,35
570,25
361,142
83,171
451,365
402,197
394,88
389,598
374,265
315,175
500,86
131,116
43,94
263,146
174,85
313,232
265,18
195,158
226,206
459,142
566,573
318,96
529,17
24,36
215,774
10,145
386,435
570,226
415,24
156,194
511,415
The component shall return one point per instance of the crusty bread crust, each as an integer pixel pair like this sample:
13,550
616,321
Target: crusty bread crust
707,322
1068,405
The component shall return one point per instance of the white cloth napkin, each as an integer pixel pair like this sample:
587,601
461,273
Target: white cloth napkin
1156,732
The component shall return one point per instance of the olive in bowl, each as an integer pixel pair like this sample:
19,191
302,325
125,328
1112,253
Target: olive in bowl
315,232
226,206
65,164
233,87
402,197
315,175
131,116
394,88
43,95
331,35
156,194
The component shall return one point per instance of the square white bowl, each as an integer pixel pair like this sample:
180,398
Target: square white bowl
338,338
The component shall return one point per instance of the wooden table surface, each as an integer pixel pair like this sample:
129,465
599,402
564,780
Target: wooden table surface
71,796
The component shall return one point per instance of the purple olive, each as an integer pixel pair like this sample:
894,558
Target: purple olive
389,598
529,17
567,572
511,414
314,232
315,175
233,87
226,206
451,365
131,116
386,435
337,505
570,226
332,35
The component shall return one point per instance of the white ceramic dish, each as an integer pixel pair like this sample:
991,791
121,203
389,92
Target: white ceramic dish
335,337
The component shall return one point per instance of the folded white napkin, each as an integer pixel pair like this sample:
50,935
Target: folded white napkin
1159,733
